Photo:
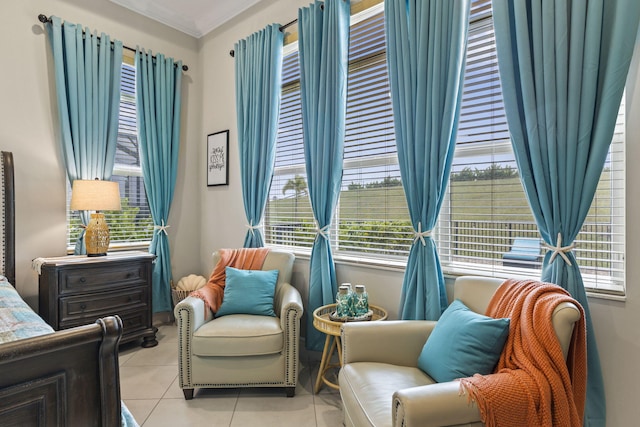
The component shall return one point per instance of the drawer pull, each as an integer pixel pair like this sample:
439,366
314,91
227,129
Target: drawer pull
129,275
83,307
83,280
130,298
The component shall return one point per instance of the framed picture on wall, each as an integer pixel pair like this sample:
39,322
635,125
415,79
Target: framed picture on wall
218,158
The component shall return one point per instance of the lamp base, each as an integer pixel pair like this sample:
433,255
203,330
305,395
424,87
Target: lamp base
96,236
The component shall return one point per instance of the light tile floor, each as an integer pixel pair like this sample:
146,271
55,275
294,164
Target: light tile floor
149,387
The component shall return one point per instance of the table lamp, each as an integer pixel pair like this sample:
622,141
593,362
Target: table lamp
95,195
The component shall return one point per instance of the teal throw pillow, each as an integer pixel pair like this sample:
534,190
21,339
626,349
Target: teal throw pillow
248,292
463,343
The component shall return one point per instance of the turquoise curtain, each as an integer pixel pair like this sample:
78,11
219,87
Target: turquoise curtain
323,46
258,91
87,73
158,104
426,51
563,66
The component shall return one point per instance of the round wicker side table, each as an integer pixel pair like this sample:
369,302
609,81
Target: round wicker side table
323,323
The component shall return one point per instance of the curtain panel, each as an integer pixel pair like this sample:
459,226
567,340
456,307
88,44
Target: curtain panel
258,69
87,74
426,51
158,104
563,66
323,29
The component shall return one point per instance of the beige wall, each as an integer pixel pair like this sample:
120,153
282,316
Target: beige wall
205,218
29,125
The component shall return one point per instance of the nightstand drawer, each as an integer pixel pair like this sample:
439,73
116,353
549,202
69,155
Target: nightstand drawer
132,321
95,278
93,306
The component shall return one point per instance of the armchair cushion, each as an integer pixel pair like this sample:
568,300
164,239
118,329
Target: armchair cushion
239,335
463,343
248,292
369,385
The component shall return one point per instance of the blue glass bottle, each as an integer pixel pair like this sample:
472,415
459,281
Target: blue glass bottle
343,301
361,301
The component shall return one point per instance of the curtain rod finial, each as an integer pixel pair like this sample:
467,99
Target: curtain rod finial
43,18
185,68
232,53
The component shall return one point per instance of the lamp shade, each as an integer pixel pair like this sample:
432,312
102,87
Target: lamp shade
95,195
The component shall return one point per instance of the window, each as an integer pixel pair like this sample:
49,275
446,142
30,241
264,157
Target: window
373,216
133,225
485,209
288,217
372,209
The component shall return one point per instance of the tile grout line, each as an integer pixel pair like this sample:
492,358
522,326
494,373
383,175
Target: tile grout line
150,412
233,413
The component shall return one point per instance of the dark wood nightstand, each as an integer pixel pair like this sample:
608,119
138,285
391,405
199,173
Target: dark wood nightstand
77,290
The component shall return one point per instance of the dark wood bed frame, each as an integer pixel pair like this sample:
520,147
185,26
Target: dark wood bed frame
67,378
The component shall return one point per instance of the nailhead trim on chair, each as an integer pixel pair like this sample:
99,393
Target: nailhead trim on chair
183,313
292,317
343,347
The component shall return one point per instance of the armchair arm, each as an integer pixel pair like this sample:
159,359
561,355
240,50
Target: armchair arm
190,314
440,404
398,342
288,304
287,298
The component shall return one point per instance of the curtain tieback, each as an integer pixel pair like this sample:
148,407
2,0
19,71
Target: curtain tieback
420,235
324,231
162,228
253,228
558,249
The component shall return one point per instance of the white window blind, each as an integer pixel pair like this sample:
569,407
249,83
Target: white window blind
486,214
373,215
485,211
485,208
133,225
288,216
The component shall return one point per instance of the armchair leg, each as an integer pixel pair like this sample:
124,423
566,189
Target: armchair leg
188,393
291,391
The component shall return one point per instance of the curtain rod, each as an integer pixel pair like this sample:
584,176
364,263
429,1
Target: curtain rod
232,52
44,19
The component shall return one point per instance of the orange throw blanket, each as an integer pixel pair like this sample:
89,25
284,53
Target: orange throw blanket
533,384
243,259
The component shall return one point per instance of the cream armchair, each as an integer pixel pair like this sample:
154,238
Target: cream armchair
381,385
241,350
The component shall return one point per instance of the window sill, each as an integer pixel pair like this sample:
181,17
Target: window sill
607,291
350,259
